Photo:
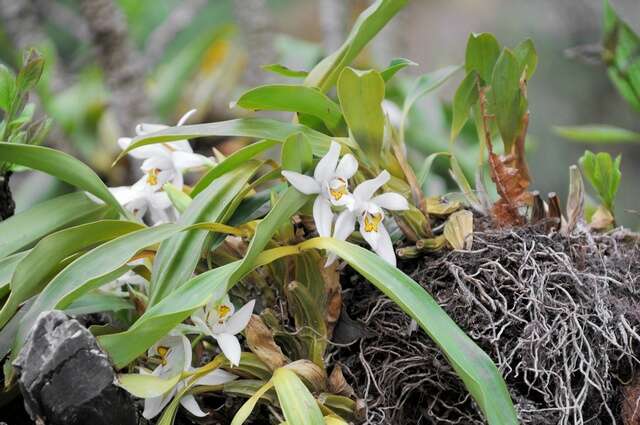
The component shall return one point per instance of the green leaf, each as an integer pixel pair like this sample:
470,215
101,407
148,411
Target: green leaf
259,128
33,272
296,154
27,227
8,266
361,94
284,71
30,72
97,267
7,87
395,66
96,302
177,257
465,97
60,165
237,158
527,57
621,45
243,413
146,386
426,166
292,98
179,199
297,403
369,23
481,55
598,133
509,104
426,83
604,175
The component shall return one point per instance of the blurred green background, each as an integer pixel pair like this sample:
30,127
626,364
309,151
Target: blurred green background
113,63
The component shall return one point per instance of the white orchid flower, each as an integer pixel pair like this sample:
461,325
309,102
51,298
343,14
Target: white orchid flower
223,323
141,198
174,354
368,210
165,162
330,182
129,278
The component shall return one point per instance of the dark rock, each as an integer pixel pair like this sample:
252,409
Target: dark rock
66,379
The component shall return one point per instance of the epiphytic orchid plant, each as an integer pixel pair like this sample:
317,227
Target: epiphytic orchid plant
239,234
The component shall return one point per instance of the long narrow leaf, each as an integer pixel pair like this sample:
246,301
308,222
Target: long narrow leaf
96,267
60,165
25,228
258,128
297,403
177,257
32,273
369,23
231,162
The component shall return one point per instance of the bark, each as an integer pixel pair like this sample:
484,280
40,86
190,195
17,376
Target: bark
122,66
253,19
7,205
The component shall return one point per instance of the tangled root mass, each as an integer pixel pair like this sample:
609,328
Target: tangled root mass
559,315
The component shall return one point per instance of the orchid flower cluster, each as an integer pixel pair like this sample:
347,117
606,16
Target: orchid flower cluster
330,182
162,163
217,319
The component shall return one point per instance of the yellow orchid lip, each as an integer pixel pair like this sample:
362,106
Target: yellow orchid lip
162,354
152,176
338,188
372,222
223,311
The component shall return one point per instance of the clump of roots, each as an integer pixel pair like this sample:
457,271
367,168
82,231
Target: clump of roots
559,315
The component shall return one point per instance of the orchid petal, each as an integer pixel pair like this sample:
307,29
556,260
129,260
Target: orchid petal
217,377
391,201
326,167
240,319
384,246
365,190
302,183
159,200
230,346
347,167
143,152
184,160
186,116
159,162
153,406
373,237
124,194
180,146
189,402
188,355
323,216
345,225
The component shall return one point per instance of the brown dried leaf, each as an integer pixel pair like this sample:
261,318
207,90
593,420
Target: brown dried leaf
310,372
260,341
554,213
458,230
338,385
602,219
575,201
333,292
